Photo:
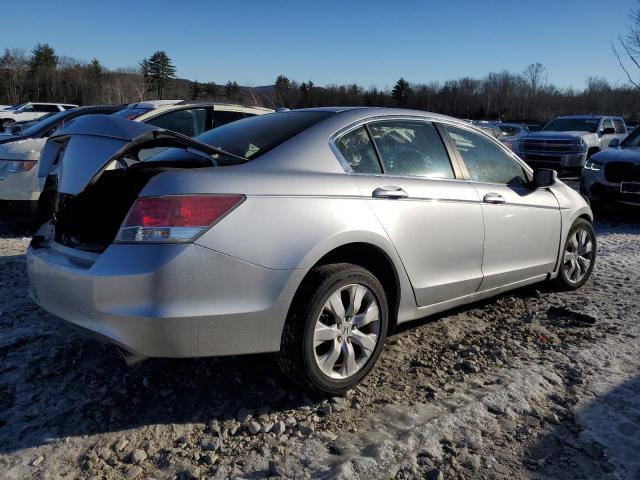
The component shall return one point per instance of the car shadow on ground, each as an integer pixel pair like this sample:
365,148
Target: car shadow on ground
601,438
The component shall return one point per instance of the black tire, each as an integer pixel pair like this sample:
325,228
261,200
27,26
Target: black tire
564,280
6,123
296,358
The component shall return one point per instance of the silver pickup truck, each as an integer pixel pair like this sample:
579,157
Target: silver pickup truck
567,142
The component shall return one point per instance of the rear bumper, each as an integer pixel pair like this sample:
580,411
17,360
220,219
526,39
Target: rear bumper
165,300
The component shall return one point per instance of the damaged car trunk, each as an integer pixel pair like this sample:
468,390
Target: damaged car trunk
95,169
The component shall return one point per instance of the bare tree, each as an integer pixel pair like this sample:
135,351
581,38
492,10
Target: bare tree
627,49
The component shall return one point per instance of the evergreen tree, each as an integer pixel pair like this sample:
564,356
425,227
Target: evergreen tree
211,90
43,57
42,65
161,71
95,70
196,90
144,69
231,90
400,92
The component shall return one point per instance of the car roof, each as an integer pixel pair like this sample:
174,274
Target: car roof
153,103
589,117
49,103
226,107
365,112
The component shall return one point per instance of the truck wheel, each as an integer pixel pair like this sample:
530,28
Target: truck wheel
335,330
592,151
578,256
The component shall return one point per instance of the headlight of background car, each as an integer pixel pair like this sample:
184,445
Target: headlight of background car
581,146
593,166
8,167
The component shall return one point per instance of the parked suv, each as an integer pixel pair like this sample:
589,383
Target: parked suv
614,175
567,142
30,111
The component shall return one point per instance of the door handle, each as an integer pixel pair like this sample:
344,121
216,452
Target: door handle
493,198
389,191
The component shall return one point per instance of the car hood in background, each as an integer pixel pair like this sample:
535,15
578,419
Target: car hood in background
555,135
619,154
24,149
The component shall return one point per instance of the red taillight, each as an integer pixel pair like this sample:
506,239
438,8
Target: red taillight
175,217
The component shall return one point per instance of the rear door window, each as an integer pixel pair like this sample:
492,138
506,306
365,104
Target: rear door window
181,121
358,151
221,117
410,148
619,126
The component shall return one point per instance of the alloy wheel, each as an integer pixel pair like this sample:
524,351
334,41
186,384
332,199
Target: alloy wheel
347,331
578,255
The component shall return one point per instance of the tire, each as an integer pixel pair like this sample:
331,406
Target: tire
314,332
592,151
578,256
6,123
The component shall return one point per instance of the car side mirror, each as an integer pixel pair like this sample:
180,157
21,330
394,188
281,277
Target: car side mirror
614,142
608,131
17,111
544,177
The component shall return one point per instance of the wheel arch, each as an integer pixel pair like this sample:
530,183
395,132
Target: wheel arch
373,258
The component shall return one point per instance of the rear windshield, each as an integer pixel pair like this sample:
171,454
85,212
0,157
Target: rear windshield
251,137
633,140
131,113
573,125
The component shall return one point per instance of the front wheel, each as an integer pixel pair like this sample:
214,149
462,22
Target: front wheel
335,330
578,257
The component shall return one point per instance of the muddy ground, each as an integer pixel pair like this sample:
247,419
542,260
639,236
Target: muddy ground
533,384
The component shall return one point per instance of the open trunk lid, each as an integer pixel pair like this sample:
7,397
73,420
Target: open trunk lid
77,153
93,172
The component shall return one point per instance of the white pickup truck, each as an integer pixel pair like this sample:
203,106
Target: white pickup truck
26,112
567,142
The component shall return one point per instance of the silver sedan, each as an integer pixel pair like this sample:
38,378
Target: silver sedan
311,233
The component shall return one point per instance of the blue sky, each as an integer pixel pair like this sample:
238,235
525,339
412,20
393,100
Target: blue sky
371,43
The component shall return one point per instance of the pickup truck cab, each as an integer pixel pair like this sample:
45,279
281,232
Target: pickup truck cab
26,112
567,142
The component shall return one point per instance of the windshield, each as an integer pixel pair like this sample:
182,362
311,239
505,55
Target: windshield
573,125
633,140
45,123
17,107
251,137
131,113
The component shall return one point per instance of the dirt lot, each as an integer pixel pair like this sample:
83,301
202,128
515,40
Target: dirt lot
534,384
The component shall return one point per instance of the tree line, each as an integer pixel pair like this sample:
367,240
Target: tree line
43,75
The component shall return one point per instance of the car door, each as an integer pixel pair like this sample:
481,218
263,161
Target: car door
521,223
27,113
607,133
403,169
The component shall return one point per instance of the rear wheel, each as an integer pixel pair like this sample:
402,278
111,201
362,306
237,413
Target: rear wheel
335,330
578,257
6,123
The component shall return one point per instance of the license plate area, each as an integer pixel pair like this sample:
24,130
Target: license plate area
630,187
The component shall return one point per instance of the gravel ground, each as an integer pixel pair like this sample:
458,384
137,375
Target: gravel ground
533,384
